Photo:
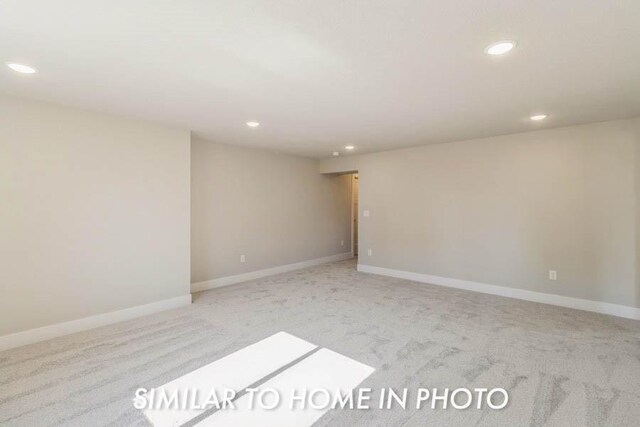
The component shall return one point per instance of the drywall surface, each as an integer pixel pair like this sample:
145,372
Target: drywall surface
506,210
636,125
274,209
94,214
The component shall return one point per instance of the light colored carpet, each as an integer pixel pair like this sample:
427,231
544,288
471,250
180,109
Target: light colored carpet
561,367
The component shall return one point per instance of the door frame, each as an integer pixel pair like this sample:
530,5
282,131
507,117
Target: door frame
354,214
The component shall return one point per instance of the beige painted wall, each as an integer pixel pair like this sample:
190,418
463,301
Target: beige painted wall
636,124
275,209
507,209
94,213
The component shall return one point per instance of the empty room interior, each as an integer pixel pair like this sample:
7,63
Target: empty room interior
328,213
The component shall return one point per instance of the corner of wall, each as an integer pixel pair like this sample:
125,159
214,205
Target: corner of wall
636,164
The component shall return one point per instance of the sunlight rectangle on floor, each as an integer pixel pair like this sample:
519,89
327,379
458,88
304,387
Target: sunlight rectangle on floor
236,372
325,369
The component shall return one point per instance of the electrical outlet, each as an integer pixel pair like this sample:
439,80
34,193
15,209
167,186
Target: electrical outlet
553,275
341,242
242,258
365,213
369,252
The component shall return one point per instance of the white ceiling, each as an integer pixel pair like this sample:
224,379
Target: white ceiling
320,74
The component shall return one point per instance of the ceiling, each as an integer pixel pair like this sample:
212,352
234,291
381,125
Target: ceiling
319,75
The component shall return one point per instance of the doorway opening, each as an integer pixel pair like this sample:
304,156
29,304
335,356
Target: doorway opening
354,214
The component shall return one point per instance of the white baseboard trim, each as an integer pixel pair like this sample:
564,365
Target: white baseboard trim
258,274
540,297
44,333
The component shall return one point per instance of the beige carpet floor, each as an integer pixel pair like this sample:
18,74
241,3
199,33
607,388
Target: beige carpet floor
561,367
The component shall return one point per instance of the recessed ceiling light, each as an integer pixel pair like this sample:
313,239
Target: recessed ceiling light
21,68
335,154
500,48
349,147
253,124
538,117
